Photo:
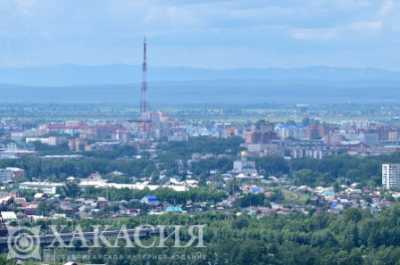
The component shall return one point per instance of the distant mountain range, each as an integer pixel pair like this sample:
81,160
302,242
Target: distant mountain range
183,85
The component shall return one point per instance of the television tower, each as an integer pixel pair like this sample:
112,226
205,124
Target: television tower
143,91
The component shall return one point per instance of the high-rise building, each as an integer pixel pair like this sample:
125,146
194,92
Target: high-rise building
391,176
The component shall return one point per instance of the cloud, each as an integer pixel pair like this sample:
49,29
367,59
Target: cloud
25,5
358,27
373,20
49,31
365,26
314,33
387,8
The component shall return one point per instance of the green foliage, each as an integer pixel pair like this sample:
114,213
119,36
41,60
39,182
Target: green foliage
173,157
60,169
49,149
354,237
330,170
4,261
252,200
167,195
116,152
203,167
70,189
27,194
272,166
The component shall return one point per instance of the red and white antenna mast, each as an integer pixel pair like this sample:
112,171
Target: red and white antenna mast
143,91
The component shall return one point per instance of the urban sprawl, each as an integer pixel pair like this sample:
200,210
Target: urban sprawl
159,164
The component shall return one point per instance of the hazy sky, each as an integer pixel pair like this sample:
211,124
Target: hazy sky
206,33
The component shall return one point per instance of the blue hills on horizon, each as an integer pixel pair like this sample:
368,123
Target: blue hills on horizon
185,85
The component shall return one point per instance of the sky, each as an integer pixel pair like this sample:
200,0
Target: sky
201,33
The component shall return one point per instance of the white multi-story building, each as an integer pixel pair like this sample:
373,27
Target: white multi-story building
45,187
391,176
10,174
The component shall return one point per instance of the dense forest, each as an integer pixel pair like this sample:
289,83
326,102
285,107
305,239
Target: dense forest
353,237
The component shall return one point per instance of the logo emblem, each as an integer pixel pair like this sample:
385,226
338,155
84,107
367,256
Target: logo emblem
23,243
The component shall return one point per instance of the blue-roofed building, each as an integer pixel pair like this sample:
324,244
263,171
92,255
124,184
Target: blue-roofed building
256,190
174,209
151,200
